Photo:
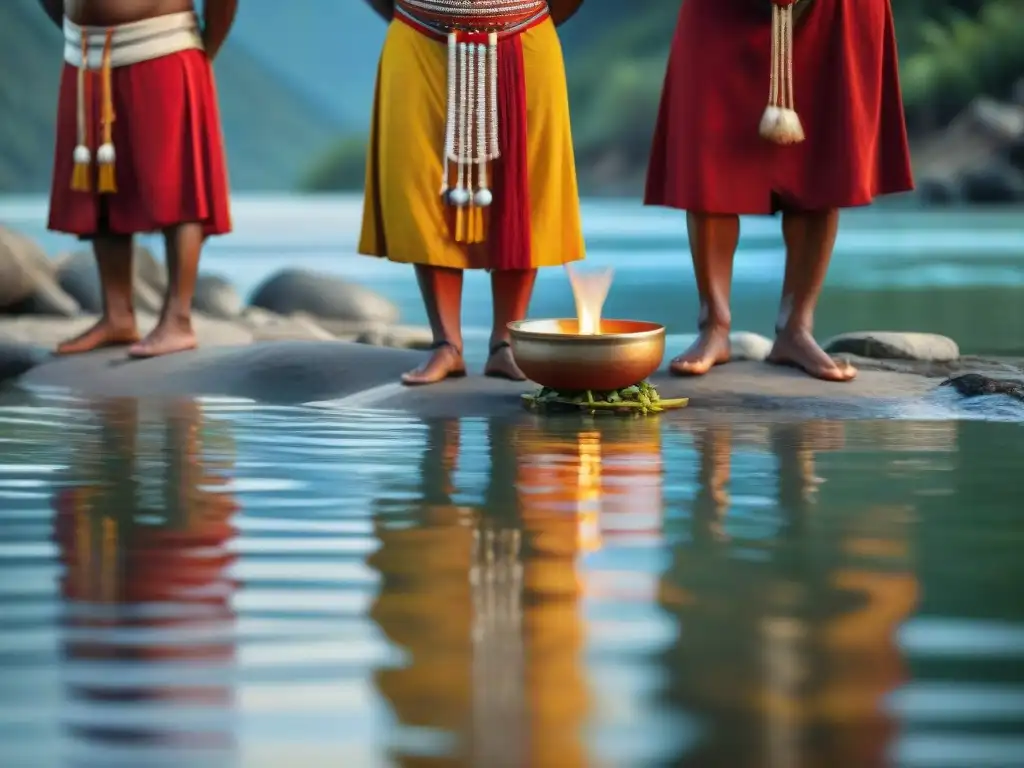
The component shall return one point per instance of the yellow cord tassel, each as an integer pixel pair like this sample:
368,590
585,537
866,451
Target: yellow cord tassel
105,155
780,122
83,157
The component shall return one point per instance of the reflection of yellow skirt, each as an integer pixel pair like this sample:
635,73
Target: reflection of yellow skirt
403,216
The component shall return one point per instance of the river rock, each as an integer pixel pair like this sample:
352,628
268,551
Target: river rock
216,296
266,326
16,358
323,296
892,345
977,385
398,336
939,191
745,345
995,183
27,279
47,332
78,276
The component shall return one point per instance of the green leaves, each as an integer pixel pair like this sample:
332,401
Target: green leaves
638,400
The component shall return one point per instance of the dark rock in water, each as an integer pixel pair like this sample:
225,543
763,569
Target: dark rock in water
997,183
215,296
978,385
16,359
939,191
79,277
294,290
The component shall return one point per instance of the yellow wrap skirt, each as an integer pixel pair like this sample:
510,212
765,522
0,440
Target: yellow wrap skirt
404,217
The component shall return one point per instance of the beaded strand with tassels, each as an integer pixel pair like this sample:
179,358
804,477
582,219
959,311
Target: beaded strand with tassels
81,180
105,155
780,122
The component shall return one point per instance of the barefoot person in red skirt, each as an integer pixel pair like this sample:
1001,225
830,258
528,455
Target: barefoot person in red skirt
139,149
771,105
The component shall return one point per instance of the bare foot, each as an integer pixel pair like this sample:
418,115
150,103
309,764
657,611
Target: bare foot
710,349
800,350
106,333
501,364
445,363
167,338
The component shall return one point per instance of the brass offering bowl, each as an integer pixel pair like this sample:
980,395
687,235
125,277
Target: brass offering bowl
554,354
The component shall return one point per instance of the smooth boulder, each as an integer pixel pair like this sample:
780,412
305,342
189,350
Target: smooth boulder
745,345
216,296
323,296
893,345
27,279
78,275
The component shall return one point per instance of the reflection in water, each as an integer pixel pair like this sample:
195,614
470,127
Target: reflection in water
141,530
544,592
486,599
786,642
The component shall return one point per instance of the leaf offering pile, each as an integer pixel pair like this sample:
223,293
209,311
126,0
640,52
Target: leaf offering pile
639,400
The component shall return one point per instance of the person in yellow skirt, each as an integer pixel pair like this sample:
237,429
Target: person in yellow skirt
470,162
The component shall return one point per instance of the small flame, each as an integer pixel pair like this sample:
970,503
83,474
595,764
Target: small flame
589,289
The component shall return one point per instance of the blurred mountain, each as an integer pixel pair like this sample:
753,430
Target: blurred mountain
325,49
272,128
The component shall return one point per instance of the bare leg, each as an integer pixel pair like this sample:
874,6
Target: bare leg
442,295
117,326
810,238
510,294
713,241
184,244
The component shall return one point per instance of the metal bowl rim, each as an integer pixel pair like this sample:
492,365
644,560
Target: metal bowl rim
517,329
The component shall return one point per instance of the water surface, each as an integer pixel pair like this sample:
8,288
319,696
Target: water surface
218,583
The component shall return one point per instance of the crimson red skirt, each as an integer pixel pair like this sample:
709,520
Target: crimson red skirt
170,153
707,154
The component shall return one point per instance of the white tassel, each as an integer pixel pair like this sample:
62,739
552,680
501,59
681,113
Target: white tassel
780,122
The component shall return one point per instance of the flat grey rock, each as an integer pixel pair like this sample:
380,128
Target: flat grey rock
894,345
362,376
289,372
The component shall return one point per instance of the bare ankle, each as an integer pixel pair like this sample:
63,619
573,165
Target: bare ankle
715,327
178,319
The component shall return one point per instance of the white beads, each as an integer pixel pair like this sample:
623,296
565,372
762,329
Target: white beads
105,154
82,155
471,124
459,197
449,127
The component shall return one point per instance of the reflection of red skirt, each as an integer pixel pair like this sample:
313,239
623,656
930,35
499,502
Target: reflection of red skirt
170,156
708,155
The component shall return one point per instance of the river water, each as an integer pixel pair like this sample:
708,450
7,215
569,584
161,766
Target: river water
224,583
217,583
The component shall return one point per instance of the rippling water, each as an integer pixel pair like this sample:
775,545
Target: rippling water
217,583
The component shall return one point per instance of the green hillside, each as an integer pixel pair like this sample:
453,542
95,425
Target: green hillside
951,52
271,130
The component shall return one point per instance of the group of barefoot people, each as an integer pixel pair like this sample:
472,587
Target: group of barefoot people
769,106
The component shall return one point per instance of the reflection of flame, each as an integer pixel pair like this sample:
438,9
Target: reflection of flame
589,289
